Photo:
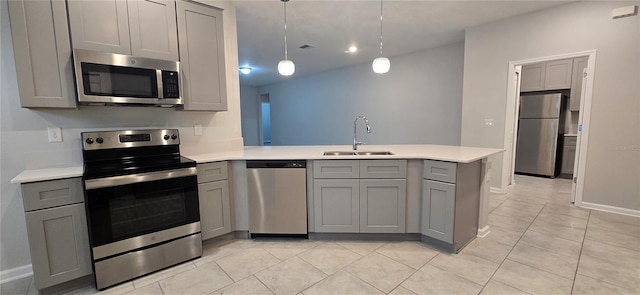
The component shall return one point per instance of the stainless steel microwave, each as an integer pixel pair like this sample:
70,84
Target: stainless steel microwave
113,79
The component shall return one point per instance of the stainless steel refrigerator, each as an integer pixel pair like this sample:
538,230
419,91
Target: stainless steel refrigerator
540,126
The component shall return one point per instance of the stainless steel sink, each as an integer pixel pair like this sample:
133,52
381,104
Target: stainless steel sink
374,153
340,153
356,153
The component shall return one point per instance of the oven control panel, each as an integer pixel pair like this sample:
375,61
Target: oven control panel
129,138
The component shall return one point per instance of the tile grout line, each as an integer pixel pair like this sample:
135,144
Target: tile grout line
507,256
575,275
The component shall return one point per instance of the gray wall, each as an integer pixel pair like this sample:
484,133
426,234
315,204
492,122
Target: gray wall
417,101
24,143
250,105
613,159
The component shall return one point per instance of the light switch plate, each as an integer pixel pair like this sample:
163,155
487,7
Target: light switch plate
55,134
197,129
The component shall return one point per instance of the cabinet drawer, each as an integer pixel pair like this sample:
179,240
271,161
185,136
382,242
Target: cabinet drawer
441,171
54,193
570,141
383,169
336,169
212,171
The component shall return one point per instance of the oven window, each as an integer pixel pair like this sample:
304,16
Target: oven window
121,212
107,80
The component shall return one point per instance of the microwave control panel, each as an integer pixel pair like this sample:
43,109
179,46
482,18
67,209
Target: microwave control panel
170,88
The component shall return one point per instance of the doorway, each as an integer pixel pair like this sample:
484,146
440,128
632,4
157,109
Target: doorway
264,121
511,117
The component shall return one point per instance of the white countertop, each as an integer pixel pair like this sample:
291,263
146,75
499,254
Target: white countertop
315,152
457,154
570,134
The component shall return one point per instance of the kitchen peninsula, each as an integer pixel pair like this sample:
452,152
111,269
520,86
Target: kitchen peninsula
434,193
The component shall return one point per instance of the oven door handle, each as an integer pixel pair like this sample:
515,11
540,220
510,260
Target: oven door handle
135,178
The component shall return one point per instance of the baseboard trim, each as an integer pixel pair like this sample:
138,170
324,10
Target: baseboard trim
483,232
15,273
497,190
611,209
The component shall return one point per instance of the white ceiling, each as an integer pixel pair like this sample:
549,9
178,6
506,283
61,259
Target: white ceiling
332,26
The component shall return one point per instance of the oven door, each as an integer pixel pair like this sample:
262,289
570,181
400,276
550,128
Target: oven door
133,211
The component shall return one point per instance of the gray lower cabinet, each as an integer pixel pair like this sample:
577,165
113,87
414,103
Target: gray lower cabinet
202,61
42,49
214,199
568,155
450,203
58,236
383,205
337,205
360,196
438,209
215,213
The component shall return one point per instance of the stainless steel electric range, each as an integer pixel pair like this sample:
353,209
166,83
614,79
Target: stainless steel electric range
141,199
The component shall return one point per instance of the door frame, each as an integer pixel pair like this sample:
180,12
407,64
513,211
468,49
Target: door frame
264,97
511,123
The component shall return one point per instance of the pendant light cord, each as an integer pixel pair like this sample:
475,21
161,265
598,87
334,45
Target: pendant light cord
380,27
285,29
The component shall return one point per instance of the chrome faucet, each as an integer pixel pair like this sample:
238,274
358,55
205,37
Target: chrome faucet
356,143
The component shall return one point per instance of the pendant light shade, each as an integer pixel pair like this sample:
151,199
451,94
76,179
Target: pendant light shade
285,66
381,64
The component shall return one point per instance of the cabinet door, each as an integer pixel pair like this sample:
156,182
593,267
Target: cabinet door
59,244
336,205
558,74
383,205
532,77
438,208
213,171
42,51
336,169
100,25
215,213
383,169
152,26
579,64
568,159
201,40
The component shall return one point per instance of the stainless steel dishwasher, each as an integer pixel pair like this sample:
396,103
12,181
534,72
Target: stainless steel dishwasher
277,198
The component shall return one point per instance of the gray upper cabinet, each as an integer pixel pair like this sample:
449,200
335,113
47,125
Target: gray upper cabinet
100,25
143,28
579,64
42,51
552,75
201,40
152,26
532,78
558,74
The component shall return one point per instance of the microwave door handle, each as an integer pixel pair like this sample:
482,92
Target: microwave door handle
159,82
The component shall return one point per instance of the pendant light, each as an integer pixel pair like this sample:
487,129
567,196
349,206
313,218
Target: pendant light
381,64
285,66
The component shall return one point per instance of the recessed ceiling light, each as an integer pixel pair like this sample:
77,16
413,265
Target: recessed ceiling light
353,49
245,70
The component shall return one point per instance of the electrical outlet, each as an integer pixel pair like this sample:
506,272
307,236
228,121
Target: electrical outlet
197,129
488,123
55,134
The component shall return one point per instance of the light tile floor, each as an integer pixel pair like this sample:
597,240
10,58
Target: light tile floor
539,244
